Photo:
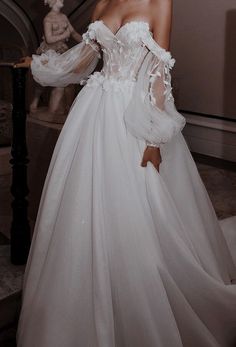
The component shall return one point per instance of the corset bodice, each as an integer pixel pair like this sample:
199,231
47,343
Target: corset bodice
124,51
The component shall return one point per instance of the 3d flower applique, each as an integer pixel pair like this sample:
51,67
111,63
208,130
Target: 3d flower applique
90,34
107,84
95,79
136,30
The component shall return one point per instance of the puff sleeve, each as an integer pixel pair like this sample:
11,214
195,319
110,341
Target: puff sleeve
59,70
151,114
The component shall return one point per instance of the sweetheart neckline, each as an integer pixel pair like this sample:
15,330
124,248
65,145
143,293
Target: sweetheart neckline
154,43
122,26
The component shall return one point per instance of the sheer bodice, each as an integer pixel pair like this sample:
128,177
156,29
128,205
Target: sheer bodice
123,52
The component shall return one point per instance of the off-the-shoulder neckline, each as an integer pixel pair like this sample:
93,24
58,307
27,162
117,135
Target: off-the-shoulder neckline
151,44
122,26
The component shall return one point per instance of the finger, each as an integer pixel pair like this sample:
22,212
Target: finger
156,164
144,163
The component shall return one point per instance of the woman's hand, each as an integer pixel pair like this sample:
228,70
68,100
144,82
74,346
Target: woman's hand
153,155
24,62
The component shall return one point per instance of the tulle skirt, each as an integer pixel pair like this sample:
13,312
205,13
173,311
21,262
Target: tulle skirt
124,256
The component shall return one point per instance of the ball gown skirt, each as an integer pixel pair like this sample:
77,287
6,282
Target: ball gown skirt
124,256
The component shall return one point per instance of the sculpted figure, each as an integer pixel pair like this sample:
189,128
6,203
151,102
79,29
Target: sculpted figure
57,31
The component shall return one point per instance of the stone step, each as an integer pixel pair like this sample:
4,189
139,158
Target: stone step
11,277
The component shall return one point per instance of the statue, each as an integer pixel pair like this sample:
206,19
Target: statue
57,31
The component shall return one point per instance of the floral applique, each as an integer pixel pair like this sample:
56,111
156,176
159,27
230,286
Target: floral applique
108,84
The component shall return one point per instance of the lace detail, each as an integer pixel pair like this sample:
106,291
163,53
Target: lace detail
160,71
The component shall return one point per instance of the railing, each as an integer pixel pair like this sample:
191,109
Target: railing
20,228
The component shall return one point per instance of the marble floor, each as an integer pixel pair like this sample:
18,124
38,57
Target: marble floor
218,176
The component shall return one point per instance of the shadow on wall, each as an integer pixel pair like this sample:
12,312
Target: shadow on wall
230,66
229,97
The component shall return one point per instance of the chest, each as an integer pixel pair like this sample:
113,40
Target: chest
117,13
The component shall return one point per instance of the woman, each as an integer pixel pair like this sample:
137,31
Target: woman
126,251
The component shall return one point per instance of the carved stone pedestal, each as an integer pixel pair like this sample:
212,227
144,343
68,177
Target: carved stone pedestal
43,114
59,116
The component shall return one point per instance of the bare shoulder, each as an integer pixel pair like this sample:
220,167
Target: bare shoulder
161,7
98,9
161,3
161,21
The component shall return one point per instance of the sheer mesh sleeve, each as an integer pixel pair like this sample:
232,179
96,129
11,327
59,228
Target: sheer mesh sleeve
151,114
59,70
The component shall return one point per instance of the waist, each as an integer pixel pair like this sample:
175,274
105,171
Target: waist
109,82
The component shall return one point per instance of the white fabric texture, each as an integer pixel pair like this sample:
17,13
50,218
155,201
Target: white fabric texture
124,256
151,114
59,70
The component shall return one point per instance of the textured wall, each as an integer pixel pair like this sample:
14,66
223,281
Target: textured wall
204,45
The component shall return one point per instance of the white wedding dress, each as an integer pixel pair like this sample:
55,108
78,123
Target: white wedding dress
124,256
